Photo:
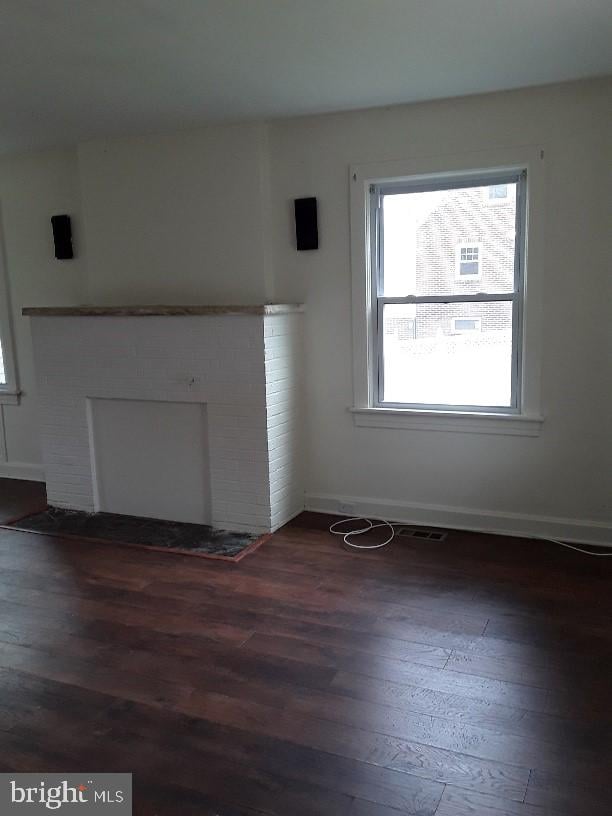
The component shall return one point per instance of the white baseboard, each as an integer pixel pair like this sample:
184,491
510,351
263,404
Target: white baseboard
22,470
577,531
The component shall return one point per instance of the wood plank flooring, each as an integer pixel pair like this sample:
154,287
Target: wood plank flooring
469,677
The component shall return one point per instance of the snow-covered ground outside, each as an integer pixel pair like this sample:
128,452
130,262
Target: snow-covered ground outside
449,370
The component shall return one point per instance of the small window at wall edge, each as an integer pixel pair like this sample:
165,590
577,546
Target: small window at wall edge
9,388
498,167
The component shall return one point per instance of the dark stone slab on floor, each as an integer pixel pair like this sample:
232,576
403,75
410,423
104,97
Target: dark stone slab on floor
172,535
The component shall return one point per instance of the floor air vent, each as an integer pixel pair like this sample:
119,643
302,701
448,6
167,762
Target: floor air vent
424,533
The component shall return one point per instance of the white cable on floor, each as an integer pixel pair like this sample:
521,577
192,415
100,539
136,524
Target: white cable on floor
376,523
578,549
346,534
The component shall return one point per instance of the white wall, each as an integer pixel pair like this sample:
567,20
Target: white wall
32,189
566,472
207,215
176,219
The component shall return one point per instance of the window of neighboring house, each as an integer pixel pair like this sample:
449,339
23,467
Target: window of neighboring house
460,325
9,392
497,193
468,260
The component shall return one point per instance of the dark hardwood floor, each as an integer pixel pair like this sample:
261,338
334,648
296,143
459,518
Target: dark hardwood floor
17,498
470,677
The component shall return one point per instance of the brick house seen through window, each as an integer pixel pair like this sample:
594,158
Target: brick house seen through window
464,220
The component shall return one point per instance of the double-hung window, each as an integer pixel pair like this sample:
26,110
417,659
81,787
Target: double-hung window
447,291
2,371
9,392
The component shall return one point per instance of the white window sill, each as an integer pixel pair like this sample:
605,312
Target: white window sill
8,397
450,421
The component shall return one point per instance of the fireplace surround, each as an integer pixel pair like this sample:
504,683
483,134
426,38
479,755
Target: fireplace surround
215,388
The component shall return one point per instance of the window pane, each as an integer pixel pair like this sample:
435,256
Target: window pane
424,235
2,374
497,191
463,324
448,354
468,268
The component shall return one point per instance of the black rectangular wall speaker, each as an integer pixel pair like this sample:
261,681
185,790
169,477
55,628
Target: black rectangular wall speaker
306,227
62,237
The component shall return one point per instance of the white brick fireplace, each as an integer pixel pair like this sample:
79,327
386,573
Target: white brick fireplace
188,413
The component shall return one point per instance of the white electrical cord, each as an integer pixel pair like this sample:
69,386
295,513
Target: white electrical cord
346,534
376,523
578,549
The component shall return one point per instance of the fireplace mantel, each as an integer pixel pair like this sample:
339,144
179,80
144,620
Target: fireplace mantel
161,310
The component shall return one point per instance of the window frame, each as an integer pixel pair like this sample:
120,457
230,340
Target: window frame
516,297
9,391
527,420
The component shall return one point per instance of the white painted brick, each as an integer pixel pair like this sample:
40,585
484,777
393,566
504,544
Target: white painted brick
284,368
247,369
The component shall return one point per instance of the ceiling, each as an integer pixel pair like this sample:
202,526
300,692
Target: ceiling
77,69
